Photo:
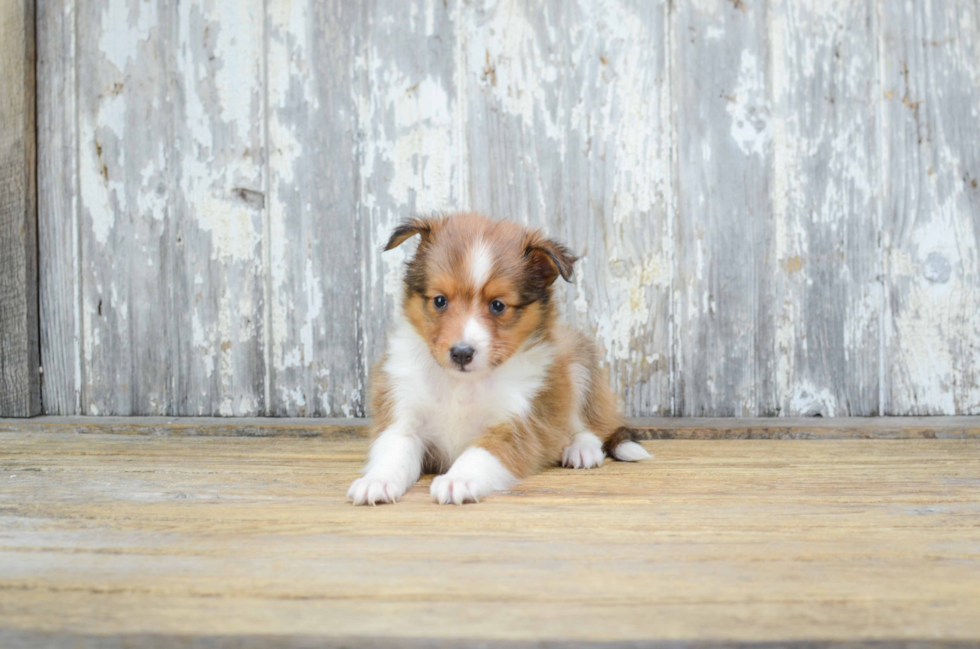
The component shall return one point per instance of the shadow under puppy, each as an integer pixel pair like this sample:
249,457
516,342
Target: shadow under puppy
479,382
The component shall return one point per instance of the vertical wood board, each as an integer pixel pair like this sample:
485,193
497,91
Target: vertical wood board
20,381
411,156
58,271
215,268
827,288
724,327
569,129
313,241
931,206
126,206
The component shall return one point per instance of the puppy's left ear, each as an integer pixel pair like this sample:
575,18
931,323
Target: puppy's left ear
409,228
550,259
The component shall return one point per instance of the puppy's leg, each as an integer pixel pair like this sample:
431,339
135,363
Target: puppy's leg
601,415
394,465
585,451
479,470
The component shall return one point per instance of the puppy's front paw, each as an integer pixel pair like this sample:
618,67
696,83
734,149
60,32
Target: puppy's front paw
474,475
583,453
448,490
371,490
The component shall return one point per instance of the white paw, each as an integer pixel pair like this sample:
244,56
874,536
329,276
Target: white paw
474,475
584,453
456,491
373,491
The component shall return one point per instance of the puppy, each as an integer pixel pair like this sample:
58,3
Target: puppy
479,383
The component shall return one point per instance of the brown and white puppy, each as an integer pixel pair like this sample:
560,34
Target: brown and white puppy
480,383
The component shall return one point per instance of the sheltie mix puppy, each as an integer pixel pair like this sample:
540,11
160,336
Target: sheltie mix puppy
479,383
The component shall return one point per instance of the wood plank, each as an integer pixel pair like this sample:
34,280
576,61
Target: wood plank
694,428
314,243
28,640
790,543
411,146
213,242
20,363
171,193
57,207
803,428
568,129
827,286
724,324
192,426
127,178
931,207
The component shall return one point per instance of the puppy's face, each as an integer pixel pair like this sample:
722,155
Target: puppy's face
478,289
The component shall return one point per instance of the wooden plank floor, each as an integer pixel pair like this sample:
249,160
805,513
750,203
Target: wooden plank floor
118,540
962,427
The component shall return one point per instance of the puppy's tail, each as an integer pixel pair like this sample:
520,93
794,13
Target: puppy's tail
622,445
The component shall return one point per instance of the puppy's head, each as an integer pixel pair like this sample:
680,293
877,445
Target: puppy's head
478,289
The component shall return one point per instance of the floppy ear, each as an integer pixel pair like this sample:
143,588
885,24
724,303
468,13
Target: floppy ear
550,259
409,229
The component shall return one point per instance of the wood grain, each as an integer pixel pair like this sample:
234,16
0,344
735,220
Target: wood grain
774,202
59,273
568,128
691,428
826,289
314,241
20,380
214,268
724,322
186,539
127,207
931,207
411,147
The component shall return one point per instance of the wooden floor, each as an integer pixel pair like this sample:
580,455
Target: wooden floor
122,540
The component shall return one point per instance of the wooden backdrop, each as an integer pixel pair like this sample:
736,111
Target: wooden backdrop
776,203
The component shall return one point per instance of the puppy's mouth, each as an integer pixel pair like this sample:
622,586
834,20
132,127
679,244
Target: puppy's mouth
466,371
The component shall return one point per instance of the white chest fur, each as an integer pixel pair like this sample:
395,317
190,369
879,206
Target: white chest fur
449,410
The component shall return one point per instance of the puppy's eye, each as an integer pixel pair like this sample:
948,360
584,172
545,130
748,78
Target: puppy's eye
440,302
497,306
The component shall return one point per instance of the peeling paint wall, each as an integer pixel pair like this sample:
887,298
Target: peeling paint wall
775,203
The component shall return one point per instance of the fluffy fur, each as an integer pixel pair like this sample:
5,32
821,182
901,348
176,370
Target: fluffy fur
479,382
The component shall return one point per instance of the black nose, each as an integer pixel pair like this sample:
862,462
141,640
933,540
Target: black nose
461,355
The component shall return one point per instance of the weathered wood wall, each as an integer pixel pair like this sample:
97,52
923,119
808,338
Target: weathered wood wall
776,202
20,365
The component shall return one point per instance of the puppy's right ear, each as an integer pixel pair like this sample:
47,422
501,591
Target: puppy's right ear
409,229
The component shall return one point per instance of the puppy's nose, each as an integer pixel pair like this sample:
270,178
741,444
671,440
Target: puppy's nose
461,354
